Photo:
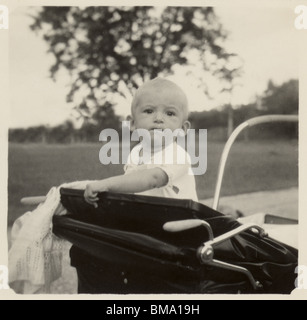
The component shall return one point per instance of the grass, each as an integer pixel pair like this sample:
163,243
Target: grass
252,166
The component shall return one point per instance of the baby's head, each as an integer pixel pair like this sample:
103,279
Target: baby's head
160,104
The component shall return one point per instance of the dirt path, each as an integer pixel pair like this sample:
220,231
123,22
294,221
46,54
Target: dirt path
280,202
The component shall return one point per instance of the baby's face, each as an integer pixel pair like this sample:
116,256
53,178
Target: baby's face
166,109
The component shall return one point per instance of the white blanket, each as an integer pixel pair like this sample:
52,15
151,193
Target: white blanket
35,258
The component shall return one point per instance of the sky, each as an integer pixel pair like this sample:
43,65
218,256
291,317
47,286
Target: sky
264,38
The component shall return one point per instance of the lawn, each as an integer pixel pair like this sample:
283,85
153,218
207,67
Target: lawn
252,166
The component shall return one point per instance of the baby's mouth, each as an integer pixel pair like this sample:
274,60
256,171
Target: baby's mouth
156,128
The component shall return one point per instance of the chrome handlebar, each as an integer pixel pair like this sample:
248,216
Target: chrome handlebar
248,123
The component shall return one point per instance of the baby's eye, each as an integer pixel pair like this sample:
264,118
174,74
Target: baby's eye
170,113
148,111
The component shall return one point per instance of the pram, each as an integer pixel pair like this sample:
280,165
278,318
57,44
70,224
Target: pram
142,244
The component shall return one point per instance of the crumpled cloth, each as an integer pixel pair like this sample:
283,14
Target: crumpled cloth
35,257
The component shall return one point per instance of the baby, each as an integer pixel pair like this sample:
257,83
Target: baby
158,105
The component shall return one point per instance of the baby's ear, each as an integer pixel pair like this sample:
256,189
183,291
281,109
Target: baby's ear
130,119
186,126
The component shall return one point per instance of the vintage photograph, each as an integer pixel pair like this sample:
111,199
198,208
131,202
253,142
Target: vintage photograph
153,150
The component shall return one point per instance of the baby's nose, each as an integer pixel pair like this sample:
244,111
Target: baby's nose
159,117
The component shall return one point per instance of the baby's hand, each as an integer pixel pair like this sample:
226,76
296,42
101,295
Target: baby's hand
90,195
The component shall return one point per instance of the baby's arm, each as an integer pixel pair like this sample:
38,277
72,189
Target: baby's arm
134,182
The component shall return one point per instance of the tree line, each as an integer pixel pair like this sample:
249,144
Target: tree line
277,99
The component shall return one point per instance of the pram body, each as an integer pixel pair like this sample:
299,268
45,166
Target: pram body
122,247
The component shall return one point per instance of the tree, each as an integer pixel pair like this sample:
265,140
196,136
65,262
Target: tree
63,133
281,99
109,51
229,74
102,118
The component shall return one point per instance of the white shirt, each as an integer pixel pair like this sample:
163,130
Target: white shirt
175,162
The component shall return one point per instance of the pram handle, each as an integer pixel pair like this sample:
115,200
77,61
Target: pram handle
221,264
248,123
205,252
232,233
32,200
181,225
